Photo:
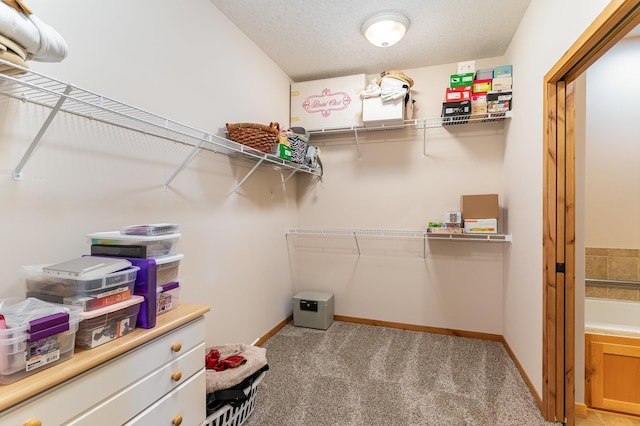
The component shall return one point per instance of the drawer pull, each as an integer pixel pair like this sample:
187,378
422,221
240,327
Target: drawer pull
176,347
176,376
176,421
32,422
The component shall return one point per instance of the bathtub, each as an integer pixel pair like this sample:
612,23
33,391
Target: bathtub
607,316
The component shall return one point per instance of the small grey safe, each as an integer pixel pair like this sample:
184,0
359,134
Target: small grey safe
313,309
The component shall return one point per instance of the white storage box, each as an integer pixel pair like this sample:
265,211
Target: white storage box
157,245
481,226
167,297
34,335
378,113
106,324
327,103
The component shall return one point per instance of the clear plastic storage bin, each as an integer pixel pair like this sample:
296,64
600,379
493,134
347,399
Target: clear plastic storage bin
167,268
89,293
156,245
106,324
34,335
167,297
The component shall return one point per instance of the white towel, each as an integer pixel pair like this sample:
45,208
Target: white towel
39,39
256,359
52,46
17,27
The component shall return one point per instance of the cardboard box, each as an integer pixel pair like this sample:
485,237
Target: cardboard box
481,226
481,86
466,67
456,112
465,79
499,101
457,95
499,96
484,74
478,108
482,206
376,113
284,152
502,83
468,88
498,106
445,230
452,217
502,71
479,98
327,103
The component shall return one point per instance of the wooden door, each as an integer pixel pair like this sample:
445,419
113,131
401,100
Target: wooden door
558,358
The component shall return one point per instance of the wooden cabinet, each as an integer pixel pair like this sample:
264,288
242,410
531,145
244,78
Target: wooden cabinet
166,372
613,373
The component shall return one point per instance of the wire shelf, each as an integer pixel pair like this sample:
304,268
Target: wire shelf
420,123
377,241
30,86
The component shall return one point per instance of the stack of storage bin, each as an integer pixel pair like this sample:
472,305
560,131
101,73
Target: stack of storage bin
109,308
34,335
153,249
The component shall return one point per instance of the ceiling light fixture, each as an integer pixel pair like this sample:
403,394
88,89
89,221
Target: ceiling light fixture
385,29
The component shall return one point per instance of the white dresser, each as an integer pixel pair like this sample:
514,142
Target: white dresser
149,377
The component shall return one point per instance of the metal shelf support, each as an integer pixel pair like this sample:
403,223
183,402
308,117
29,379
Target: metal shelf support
283,181
17,172
253,169
187,159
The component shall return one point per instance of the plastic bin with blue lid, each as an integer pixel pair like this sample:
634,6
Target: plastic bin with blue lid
34,335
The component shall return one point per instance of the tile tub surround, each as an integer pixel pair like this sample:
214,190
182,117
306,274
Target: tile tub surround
612,264
612,291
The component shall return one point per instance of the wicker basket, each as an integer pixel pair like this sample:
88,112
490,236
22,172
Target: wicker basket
256,136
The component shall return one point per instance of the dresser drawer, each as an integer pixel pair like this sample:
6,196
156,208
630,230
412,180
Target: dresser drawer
185,406
63,402
124,405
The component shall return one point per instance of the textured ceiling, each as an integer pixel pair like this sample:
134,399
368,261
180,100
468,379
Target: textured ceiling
312,39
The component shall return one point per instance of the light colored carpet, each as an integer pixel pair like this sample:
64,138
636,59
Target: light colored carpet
354,374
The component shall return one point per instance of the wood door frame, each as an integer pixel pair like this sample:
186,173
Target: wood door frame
558,357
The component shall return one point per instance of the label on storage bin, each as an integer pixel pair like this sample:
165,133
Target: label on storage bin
164,303
43,352
111,331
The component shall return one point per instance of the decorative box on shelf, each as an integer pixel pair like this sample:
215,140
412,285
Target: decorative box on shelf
328,103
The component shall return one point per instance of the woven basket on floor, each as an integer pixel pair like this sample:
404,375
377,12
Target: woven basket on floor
256,136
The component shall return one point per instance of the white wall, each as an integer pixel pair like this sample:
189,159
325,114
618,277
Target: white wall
393,185
548,29
179,59
185,60
613,152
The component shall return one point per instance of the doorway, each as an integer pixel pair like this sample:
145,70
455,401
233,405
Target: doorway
559,198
